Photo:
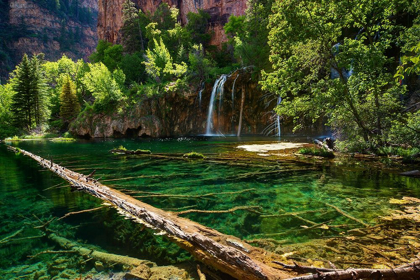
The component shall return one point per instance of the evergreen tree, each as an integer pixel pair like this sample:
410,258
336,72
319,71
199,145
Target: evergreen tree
134,23
70,106
22,100
39,90
29,104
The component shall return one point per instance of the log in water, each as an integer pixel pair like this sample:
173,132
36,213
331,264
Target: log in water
226,253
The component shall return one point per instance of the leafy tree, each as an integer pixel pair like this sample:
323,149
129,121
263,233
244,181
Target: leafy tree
197,27
200,66
249,34
134,26
159,63
6,117
70,106
57,73
29,104
331,58
106,87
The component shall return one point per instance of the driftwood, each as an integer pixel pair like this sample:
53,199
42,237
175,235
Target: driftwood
226,253
97,255
406,272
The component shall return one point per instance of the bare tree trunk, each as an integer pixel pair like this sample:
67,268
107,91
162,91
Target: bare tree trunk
225,253
242,111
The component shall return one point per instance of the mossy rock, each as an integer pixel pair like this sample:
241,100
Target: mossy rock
141,152
194,155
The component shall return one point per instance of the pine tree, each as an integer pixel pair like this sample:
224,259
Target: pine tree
70,106
22,100
39,90
132,33
29,105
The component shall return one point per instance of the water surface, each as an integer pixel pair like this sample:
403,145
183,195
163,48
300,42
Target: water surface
298,196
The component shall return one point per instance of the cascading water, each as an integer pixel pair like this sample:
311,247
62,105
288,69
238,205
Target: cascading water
278,118
233,93
217,87
200,94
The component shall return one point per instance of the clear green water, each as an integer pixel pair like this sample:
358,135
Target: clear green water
27,195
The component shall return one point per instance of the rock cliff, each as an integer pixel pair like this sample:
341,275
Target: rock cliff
186,114
29,26
110,15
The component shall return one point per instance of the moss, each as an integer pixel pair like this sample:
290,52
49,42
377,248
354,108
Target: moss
63,139
139,151
316,152
194,155
122,148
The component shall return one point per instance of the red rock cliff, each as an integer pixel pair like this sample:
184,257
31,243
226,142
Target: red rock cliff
110,15
29,26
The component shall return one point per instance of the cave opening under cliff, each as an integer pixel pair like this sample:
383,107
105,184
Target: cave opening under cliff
132,132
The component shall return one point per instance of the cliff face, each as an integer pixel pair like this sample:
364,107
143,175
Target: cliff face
110,15
186,114
30,26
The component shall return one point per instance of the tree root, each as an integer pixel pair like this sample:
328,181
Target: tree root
53,252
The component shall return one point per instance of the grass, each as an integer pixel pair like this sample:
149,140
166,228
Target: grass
316,152
194,155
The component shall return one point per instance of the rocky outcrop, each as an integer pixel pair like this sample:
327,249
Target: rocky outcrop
110,15
183,114
30,26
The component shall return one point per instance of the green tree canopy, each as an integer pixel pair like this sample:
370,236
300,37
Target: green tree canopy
333,59
70,106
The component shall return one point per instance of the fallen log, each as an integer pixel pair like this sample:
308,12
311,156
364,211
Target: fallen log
406,272
225,253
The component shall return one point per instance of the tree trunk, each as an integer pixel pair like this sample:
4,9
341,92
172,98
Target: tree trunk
225,253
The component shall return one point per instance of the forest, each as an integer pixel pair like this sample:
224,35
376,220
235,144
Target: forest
354,67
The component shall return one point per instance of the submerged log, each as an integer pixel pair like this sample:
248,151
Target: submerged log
225,253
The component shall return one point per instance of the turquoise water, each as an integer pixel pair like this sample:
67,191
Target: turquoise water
31,196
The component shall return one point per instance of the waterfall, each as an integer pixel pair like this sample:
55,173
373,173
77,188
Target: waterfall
233,93
218,87
200,94
278,118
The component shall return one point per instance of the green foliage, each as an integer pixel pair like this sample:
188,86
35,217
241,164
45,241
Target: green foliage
6,97
194,155
134,28
249,35
159,63
56,74
29,103
197,27
122,148
316,152
70,106
406,131
331,58
200,66
106,87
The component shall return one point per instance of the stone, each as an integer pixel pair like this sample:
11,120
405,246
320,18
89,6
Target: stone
168,273
141,272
